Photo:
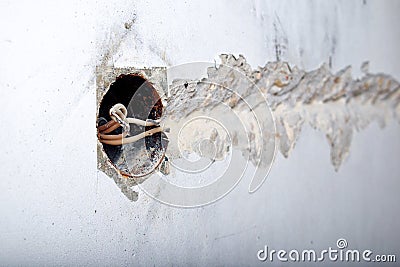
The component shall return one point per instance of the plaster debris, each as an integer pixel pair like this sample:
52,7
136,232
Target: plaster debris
333,103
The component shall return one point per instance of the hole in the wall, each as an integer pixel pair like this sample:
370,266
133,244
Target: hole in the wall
142,102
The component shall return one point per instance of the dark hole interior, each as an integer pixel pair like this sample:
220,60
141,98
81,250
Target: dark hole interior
141,100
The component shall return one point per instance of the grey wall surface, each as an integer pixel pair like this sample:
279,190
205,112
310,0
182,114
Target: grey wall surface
58,209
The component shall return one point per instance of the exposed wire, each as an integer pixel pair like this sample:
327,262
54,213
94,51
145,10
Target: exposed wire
118,115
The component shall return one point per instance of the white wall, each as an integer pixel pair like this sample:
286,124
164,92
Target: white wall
57,209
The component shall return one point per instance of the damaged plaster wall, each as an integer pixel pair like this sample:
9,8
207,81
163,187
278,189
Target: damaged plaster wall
58,209
335,104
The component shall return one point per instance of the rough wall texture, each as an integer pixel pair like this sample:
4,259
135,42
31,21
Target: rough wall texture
57,209
335,104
